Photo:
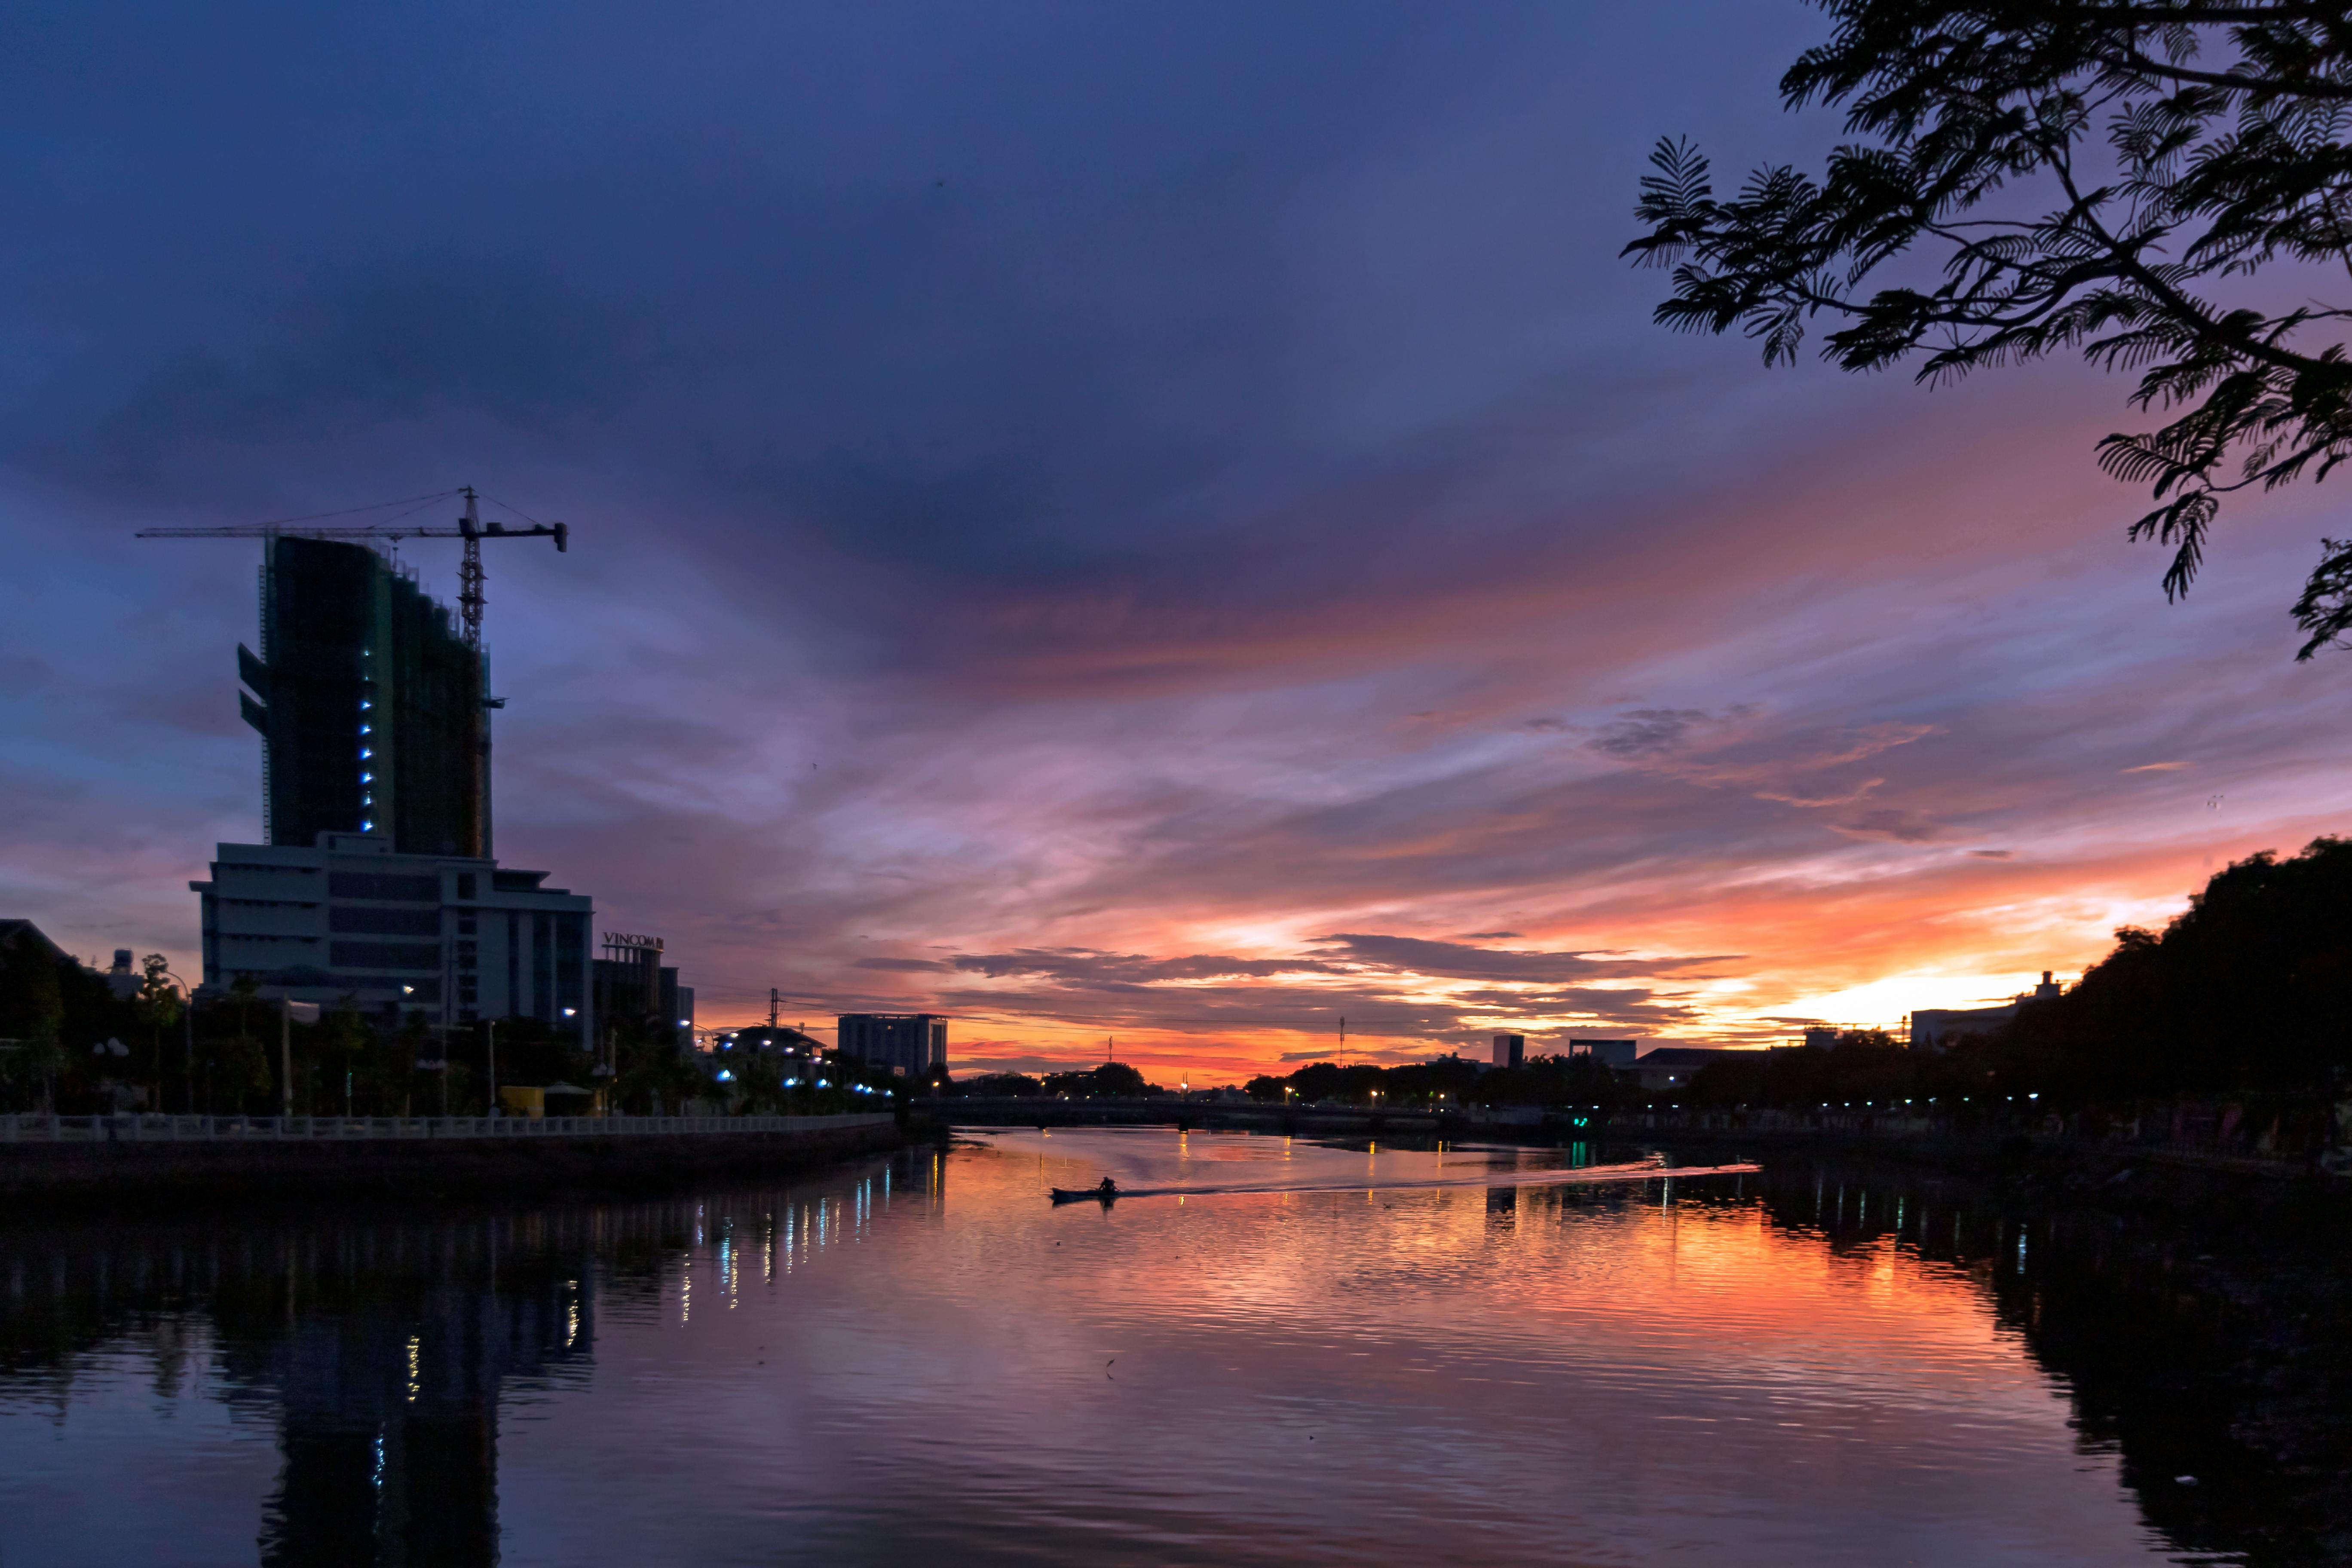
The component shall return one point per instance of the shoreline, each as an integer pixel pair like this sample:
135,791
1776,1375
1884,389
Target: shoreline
45,1176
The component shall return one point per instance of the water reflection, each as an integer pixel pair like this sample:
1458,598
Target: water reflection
920,1359
2207,1347
382,1345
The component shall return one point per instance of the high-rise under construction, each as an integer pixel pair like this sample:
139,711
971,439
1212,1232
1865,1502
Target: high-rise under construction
369,704
376,887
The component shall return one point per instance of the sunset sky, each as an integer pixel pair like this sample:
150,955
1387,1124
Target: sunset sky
1159,521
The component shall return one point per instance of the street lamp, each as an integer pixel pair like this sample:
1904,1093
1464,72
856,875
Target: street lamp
492,1025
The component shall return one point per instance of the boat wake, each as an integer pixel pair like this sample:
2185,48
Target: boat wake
1590,1176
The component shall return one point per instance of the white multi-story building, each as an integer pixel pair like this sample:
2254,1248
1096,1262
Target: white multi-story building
455,938
1933,1029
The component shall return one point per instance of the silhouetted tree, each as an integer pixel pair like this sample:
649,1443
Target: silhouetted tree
1859,1067
1445,1081
1554,1081
2224,153
1001,1083
340,1044
2249,988
32,1015
1348,1085
157,1005
232,1059
759,1083
653,1077
1110,1079
1267,1085
1450,1080
534,1051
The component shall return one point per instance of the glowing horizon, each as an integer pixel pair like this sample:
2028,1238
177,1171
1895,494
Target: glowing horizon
1190,552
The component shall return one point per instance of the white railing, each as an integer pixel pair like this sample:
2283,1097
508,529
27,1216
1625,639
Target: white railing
26,1128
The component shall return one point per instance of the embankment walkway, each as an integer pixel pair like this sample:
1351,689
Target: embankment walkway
186,1157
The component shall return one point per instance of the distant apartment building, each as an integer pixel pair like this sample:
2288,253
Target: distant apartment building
909,1044
1510,1050
455,938
26,942
22,939
632,982
780,1038
1933,1029
1614,1054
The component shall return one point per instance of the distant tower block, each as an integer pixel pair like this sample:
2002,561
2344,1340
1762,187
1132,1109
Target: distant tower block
1510,1050
1612,1054
909,1044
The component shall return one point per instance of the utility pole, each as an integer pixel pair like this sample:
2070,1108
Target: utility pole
773,1000
492,1025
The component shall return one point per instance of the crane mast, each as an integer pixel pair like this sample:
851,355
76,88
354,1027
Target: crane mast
470,598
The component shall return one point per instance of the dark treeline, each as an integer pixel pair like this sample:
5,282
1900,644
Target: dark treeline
70,1045
2247,992
1555,1081
1110,1080
1552,1081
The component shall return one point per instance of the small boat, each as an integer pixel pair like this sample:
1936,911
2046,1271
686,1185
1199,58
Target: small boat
1080,1195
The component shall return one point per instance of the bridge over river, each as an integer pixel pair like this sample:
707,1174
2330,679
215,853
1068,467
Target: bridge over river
1176,1111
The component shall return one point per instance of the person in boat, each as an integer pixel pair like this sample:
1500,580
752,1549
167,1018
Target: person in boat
1109,1189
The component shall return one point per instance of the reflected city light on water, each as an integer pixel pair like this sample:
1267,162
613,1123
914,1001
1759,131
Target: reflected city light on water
1310,1355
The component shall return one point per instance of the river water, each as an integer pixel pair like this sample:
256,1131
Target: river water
1287,1353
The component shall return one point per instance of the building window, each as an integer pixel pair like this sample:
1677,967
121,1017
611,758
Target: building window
466,884
389,886
383,955
346,919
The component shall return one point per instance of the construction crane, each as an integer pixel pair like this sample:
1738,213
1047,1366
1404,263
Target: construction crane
470,528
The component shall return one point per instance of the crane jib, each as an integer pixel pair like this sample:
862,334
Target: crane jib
472,600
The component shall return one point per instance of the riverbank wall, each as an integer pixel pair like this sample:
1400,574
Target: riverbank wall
162,1160
2190,1137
